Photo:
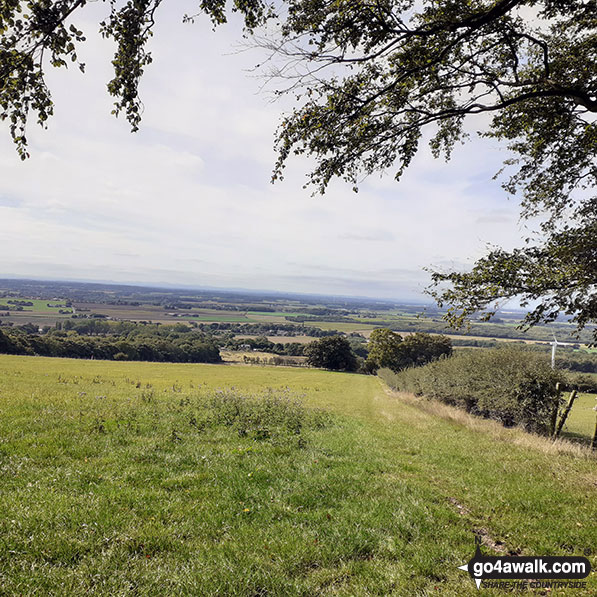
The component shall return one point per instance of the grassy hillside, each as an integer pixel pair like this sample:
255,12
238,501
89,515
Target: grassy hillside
126,479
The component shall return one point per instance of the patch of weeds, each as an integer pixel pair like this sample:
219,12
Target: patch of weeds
147,396
99,425
269,417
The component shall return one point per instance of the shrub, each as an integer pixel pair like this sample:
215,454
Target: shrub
582,382
511,385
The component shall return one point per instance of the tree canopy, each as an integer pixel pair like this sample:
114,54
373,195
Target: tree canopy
333,353
370,79
390,350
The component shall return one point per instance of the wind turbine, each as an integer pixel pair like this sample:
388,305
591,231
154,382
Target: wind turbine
554,345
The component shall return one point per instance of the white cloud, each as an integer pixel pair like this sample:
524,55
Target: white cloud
187,200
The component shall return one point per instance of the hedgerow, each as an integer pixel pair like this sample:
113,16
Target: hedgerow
511,385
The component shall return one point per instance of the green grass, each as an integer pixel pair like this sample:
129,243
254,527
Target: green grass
581,420
276,314
39,306
217,318
236,317
126,479
341,326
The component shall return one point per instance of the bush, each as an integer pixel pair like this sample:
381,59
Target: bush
582,382
511,385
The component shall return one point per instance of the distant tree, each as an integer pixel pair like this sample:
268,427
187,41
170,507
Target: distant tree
389,350
384,350
333,352
358,345
5,344
420,349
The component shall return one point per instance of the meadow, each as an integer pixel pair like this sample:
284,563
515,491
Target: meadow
40,306
165,479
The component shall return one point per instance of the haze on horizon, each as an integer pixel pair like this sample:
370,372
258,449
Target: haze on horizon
188,201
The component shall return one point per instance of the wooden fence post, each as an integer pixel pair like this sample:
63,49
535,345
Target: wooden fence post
566,411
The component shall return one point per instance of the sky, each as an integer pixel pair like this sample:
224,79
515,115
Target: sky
188,201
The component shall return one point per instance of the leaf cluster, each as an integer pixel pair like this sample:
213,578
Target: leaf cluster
511,385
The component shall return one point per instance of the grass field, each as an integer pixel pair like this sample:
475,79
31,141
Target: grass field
582,417
125,479
277,314
238,356
39,306
221,316
342,326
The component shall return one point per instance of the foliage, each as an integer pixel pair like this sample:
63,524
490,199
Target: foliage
582,382
144,343
358,345
511,385
391,351
571,359
558,276
261,343
95,326
419,349
276,361
331,353
384,349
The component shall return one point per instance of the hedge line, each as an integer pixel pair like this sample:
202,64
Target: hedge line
511,385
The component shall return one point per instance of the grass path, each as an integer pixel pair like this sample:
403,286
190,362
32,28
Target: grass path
105,488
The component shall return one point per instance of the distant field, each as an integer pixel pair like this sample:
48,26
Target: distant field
216,317
116,479
39,306
275,313
238,356
282,339
342,326
582,418
239,316
134,313
170,307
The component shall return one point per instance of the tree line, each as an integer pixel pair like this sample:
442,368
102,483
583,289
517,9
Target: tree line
265,329
385,349
169,345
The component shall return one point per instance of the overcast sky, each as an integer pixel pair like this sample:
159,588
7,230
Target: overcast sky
188,200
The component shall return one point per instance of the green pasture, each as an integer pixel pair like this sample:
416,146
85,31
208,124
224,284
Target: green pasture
239,317
341,326
168,479
217,318
39,306
276,314
582,418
